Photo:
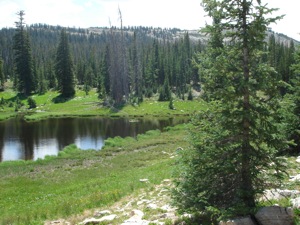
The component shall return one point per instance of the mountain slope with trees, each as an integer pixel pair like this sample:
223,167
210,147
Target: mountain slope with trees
152,55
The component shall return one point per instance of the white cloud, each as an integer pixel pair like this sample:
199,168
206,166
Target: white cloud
8,10
289,24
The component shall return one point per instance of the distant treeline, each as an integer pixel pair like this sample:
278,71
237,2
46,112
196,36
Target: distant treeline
154,57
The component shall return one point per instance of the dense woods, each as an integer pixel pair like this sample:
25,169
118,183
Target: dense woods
147,57
150,58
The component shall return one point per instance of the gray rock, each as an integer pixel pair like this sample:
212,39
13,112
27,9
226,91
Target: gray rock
275,215
296,203
102,213
295,178
136,222
97,221
137,213
152,206
144,180
136,218
239,221
277,194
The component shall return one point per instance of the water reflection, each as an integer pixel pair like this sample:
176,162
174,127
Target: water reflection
30,141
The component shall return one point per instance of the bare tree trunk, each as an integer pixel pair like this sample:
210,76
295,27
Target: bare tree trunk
124,71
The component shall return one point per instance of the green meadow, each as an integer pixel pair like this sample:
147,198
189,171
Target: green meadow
75,180
49,105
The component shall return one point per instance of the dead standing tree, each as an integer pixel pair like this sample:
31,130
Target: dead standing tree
118,68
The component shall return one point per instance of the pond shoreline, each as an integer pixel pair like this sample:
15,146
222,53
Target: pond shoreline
21,140
83,105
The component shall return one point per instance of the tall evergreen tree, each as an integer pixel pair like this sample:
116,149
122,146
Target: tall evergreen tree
137,72
2,77
104,71
64,67
236,141
23,58
50,75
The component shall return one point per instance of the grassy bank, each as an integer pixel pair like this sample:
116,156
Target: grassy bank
57,187
49,105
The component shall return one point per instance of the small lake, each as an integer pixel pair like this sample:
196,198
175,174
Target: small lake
21,140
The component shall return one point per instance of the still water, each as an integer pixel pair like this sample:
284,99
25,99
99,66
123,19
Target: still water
30,141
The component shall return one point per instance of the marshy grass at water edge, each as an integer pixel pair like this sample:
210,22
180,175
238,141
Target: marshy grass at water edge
75,180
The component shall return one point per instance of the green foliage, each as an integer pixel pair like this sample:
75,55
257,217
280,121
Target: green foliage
64,67
116,141
18,104
291,118
165,92
23,58
2,101
171,104
2,77
236,141
190,95
31,103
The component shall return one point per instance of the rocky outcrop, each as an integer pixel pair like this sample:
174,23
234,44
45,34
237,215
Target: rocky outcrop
277,194
153,207
273,215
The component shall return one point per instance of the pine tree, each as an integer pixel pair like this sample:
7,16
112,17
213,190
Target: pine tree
137,73
2,77
64,67
104,71
23,58
236,140
50,75
165,92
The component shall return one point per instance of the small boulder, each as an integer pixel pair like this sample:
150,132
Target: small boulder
275,215
144,180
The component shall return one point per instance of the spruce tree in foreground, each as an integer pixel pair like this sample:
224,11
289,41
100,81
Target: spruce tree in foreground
23,58
235,141
64,67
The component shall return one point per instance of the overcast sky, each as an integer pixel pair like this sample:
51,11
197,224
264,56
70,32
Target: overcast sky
187,14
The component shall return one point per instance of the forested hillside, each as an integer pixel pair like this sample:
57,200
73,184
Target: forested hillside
152,56
132,62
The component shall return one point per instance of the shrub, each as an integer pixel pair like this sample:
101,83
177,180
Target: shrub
31,103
